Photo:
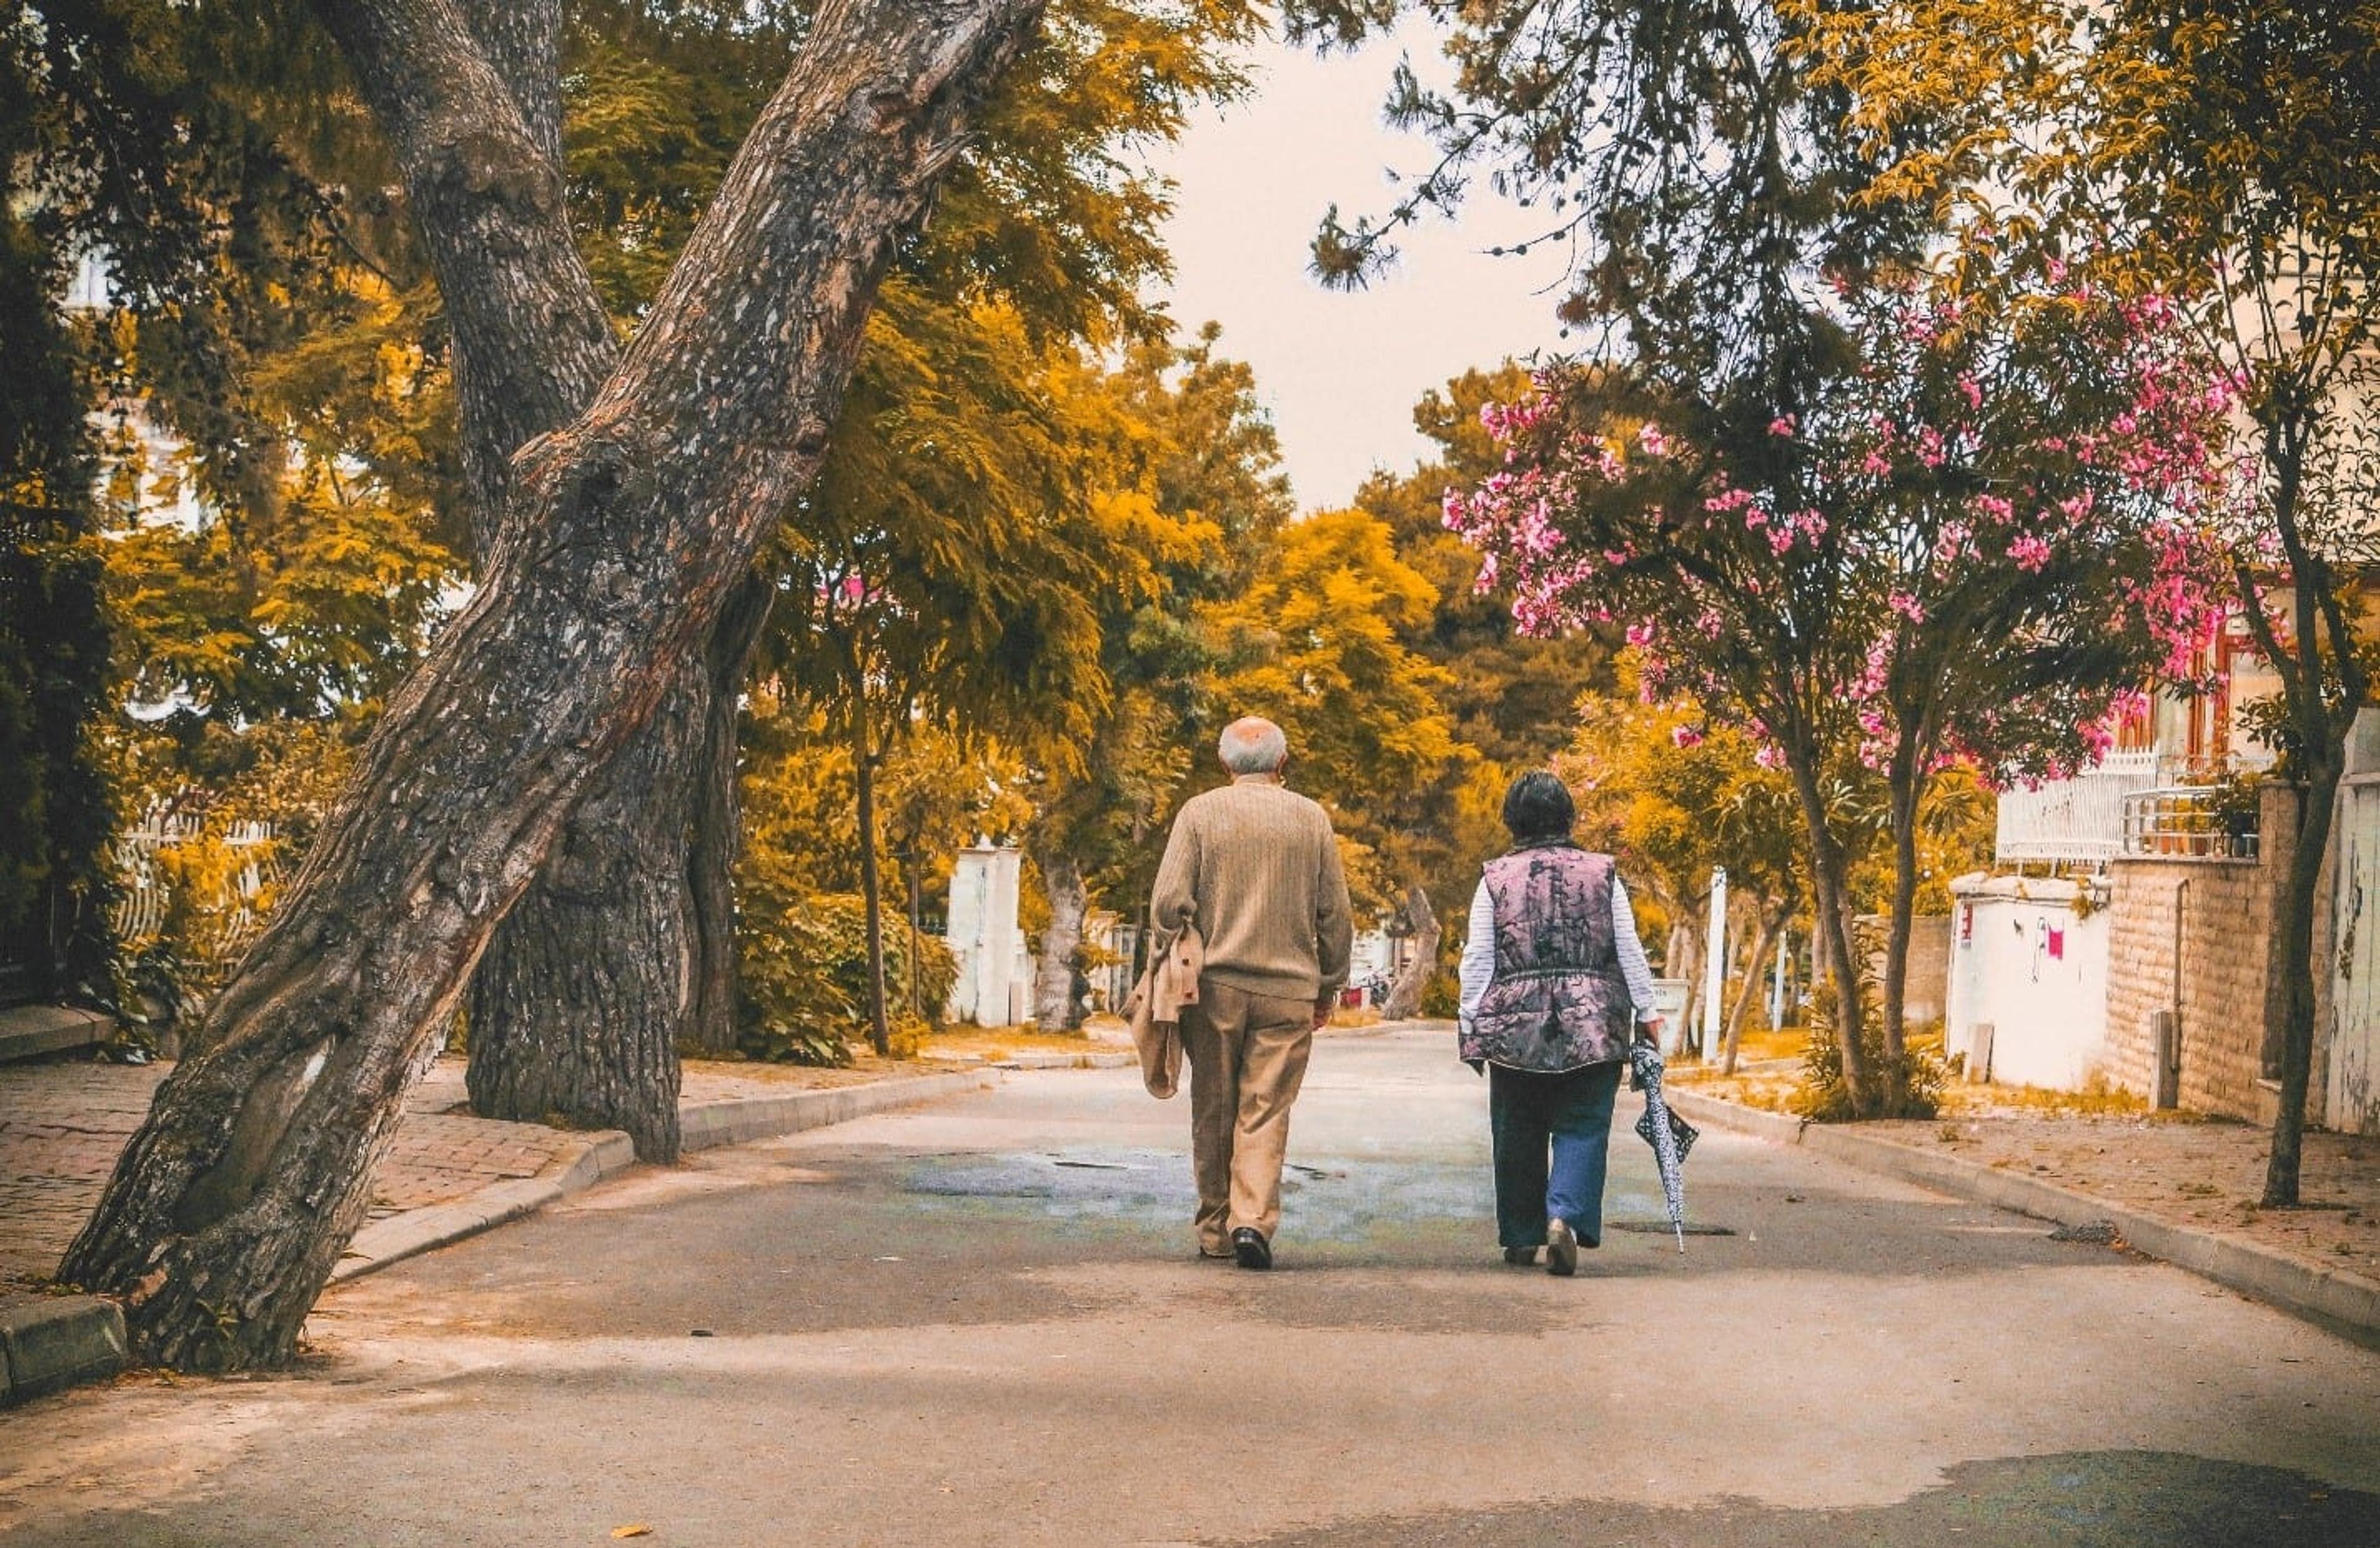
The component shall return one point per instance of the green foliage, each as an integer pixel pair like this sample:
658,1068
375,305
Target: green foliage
1672,799
803,979
1906,1086
1511,695
56,812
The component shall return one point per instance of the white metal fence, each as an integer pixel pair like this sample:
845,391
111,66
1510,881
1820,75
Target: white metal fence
227,921
2187,823
2080,819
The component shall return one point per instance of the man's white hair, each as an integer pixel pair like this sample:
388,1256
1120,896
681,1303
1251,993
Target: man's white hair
1254,745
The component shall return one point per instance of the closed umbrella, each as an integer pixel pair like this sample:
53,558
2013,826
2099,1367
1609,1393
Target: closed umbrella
1670,1136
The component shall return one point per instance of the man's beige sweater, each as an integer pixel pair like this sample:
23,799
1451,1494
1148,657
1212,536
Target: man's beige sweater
1254,866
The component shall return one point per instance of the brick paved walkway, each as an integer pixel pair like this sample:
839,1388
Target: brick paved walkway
62,1124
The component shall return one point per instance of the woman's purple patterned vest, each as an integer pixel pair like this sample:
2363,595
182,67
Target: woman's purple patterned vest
1557,1000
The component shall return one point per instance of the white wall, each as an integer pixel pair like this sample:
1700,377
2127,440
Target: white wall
2023,961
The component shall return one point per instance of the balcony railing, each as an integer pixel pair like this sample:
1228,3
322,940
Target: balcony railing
2078,820
2187,823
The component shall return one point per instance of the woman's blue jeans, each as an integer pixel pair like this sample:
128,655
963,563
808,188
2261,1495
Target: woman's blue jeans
1571,1113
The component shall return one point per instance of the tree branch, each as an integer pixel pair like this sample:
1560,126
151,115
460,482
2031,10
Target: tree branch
532,342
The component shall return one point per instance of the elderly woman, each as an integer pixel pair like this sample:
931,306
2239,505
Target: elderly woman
1554,985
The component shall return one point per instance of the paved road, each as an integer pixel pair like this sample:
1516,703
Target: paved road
982,1322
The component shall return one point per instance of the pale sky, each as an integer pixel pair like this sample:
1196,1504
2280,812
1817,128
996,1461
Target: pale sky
1339,371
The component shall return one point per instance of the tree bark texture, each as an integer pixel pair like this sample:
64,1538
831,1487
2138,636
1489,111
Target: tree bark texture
1406,988
1054,1004
1907,787
717,802
2293,930
623,953
458,98
624,533
600,952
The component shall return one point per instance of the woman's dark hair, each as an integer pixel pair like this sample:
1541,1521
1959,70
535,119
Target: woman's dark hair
1538,806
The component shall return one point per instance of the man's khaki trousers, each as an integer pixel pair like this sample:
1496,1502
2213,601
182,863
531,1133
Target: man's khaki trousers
1247,1056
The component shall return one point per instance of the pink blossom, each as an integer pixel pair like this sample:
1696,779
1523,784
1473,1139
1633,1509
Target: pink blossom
1652,440
1783,424
1685,737
2030,554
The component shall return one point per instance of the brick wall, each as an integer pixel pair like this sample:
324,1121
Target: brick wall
2201,930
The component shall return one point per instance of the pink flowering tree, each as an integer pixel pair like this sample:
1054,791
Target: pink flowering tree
1975,537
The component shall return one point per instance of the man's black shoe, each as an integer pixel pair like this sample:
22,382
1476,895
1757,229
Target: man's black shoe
1250,1248
1520,1257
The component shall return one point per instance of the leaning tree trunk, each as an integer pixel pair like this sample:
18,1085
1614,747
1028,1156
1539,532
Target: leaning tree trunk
582,992
1406,988
1055,1004
625,532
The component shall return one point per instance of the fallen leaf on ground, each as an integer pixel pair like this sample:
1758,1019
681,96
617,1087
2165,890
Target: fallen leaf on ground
634,1528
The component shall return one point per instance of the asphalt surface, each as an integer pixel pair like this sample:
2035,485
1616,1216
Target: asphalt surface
984,1321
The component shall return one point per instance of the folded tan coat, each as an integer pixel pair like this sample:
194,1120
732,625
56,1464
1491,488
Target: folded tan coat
1155,1010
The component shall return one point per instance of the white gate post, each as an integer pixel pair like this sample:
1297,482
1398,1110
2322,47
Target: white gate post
1715,966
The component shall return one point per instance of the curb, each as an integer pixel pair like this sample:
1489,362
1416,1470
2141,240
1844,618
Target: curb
2347,1304
739,1120
705,1125
398,1237
28,1031
50,1342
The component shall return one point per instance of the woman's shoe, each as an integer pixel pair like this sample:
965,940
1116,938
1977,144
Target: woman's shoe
1561,1248
1520,1257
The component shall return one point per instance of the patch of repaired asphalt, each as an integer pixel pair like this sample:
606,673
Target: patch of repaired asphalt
2100,1499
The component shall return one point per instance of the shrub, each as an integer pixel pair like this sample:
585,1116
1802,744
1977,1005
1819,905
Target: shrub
1825,1097
804,977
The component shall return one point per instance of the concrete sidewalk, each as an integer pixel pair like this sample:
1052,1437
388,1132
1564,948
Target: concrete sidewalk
2180,1191
448,1175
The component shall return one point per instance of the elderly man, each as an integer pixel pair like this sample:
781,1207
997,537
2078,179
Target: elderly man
1256,869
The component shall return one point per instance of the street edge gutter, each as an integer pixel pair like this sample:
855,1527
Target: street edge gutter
1041,1059
604,1152
2347,1304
